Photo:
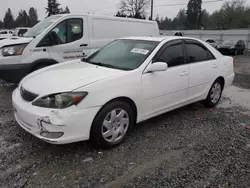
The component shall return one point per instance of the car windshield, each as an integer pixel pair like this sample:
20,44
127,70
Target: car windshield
229,42
41,26
123,54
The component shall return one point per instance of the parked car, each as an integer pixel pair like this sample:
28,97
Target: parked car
20,31
210,41
234,47
128,81
178,33
5,34
62,38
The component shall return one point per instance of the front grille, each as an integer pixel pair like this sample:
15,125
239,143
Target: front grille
28,96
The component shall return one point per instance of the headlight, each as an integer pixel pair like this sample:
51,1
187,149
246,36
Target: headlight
61,100
13,50
232,47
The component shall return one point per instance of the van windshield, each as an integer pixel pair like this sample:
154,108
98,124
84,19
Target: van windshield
41,26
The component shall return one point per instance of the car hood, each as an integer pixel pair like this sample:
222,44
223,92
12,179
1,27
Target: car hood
14,41
66,77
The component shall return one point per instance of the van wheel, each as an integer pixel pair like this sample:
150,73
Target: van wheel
111,125
214,94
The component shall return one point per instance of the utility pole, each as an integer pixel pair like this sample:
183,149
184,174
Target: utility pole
152,9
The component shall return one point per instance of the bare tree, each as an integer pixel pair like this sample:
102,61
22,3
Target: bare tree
134,8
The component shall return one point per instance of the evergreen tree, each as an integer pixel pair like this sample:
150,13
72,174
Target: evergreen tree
9,22
194,14
22,19
33,18
53,7
1,24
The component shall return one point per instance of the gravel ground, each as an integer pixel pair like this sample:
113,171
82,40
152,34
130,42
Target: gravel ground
189,147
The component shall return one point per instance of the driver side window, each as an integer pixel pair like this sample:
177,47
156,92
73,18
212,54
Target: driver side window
65,32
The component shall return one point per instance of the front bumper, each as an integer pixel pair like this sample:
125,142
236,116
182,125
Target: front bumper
74,123
14,72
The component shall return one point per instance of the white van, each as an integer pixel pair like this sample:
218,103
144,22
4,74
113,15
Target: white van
65,37
20,31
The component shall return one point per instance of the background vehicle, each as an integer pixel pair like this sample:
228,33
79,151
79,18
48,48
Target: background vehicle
178,33
65,37
20,31
127,81
232,47
5,34
210,41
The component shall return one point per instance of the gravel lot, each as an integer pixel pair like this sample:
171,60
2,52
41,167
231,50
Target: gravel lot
189,147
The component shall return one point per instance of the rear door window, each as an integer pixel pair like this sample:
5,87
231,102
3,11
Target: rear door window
197,52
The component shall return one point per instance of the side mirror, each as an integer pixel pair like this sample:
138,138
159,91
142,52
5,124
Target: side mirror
156,67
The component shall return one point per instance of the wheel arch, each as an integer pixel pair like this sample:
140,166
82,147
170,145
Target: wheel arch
39,62
124,99
222,79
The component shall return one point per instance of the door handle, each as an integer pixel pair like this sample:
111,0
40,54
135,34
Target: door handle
214,66
83,45
184,73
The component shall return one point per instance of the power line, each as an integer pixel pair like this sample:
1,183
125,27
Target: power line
168,5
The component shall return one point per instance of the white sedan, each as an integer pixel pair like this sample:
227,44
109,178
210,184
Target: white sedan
128,81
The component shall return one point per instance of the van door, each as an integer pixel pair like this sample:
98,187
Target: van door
69,40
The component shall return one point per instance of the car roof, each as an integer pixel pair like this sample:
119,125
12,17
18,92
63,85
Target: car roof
159,39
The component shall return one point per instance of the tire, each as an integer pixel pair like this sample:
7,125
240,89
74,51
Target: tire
214,94
236,52
108,129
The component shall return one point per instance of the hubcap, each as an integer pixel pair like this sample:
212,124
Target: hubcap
215,93
115,125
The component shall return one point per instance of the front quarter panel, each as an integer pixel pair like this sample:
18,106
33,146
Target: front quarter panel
124,85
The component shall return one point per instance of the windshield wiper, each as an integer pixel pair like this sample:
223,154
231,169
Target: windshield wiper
107,65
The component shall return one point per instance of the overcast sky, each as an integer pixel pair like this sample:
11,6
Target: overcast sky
104,7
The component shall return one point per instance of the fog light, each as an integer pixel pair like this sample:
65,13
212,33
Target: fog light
47,134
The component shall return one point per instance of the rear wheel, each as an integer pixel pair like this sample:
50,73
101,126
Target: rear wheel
111,125
214,94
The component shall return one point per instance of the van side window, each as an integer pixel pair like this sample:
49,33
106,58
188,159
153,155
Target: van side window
22,31
74,30
196,52
65,32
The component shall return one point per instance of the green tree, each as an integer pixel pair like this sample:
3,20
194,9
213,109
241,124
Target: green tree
67,10
53,7
205,19
181,19
194,14
1,24
22,19
9,22
233,14
33,18
120,14
134,8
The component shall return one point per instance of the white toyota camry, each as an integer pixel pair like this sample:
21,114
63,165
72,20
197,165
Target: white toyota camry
130,80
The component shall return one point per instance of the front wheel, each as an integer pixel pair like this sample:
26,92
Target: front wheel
214,94
111,125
